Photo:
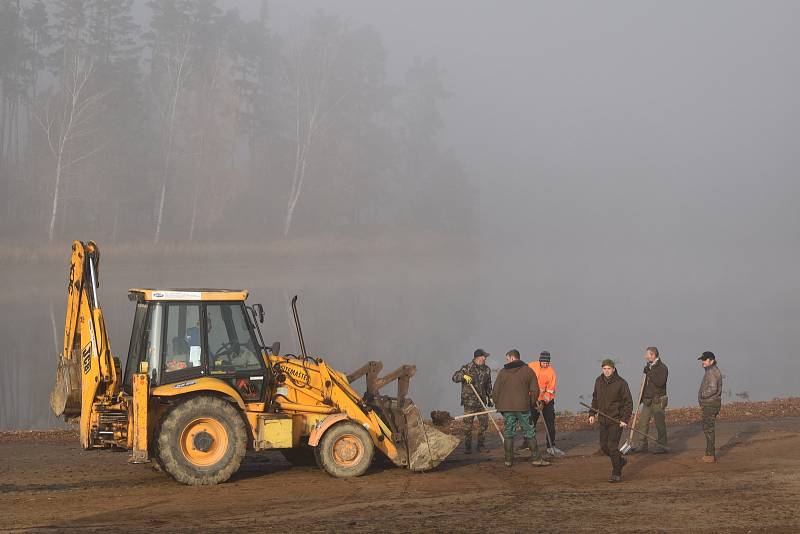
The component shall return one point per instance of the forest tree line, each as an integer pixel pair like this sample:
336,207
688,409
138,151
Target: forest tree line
203,125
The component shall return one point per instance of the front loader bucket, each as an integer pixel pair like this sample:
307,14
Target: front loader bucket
426,446
65,399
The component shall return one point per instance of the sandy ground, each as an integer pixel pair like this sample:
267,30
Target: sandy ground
48,484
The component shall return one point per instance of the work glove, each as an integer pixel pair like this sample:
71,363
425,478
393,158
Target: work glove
646,369
489,403
467,379
540,406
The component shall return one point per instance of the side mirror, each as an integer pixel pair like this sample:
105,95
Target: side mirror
259,309
275,349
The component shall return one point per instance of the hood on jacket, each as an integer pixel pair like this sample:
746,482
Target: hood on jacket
611,378
515,364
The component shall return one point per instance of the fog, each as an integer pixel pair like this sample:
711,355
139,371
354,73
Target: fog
584,178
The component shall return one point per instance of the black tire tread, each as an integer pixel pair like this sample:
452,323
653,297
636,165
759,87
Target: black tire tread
168,449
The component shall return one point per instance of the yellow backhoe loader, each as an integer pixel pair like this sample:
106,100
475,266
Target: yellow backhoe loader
200,388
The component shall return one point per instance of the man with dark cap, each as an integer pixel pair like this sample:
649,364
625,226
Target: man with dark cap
710,399
654,403
478,375
545,404
513,390
612,396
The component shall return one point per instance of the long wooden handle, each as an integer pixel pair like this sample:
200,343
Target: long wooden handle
474,414
638,403
617,421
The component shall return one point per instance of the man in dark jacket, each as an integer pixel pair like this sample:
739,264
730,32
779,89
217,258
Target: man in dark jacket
513,390
612,396
477,374
710,399
654,403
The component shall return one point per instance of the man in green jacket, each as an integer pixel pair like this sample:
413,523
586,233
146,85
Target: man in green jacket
612,396
710,399
513,390
654,403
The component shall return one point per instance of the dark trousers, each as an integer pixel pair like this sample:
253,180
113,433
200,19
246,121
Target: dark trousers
610,435
710,413
549,414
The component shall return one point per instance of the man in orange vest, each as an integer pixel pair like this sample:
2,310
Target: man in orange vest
545,404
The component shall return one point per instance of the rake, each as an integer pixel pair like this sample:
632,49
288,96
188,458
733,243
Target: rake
616,420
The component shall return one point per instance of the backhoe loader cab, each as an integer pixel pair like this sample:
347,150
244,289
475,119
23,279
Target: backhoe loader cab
199,389
186,334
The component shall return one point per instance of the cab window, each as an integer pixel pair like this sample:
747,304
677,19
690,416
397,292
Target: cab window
135,353
182,350
151,337
230,344
232,353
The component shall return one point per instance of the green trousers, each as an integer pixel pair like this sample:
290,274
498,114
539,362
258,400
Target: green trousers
510,420
651,409
709,419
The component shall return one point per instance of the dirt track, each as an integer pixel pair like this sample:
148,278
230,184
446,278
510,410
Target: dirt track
50,484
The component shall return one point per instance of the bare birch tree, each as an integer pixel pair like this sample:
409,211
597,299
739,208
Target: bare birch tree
68,122
174,60
316,98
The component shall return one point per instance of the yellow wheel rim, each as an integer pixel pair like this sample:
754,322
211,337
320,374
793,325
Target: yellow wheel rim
204,441
348,450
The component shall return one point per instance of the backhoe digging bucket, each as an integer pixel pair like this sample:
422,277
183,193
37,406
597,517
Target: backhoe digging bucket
424,446
65,399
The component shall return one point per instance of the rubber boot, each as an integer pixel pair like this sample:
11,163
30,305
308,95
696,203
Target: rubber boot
536,456
508,446
467,447
481,447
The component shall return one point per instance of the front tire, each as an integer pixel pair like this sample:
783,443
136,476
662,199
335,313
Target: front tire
202,441
345,450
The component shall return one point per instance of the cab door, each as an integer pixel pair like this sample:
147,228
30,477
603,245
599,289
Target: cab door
233,354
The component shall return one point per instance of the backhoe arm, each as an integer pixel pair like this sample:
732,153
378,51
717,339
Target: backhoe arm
87,373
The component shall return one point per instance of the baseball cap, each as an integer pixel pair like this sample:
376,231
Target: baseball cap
707,355
480,352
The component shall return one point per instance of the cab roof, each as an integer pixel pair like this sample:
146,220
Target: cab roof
195,294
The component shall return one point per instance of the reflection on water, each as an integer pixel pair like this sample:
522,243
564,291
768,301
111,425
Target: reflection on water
417,312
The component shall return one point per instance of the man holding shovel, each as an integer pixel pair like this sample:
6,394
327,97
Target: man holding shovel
545,404
653,403
513,390
613,405
476,386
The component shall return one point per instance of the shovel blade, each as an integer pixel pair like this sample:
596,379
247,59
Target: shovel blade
626,448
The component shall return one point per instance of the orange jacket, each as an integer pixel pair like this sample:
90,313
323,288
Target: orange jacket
547,381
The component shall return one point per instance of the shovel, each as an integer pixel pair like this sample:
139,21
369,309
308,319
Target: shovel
617,421
550,447
628,445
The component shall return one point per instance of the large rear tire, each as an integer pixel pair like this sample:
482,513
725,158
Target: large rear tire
202,441
345,450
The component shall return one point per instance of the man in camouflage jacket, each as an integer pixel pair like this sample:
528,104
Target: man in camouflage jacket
477,374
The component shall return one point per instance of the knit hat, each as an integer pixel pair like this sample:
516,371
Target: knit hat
544,356
608,362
